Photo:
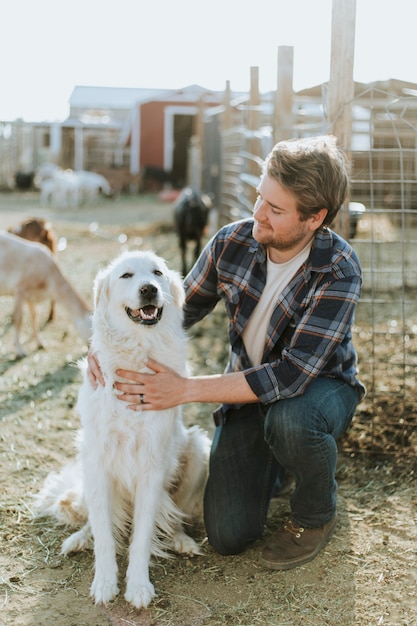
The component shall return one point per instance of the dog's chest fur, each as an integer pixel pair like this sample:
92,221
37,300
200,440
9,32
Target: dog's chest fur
123,438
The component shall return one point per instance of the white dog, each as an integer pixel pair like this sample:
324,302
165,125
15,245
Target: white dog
141,474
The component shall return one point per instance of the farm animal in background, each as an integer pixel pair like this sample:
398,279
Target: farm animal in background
29,272
191,213
154,178
40,230
61,190
92,185
69,188
140,474
24,180
44,171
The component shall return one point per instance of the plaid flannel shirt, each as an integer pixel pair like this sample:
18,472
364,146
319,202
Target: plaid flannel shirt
310,331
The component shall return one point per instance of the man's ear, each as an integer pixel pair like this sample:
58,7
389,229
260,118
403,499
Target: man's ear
318,218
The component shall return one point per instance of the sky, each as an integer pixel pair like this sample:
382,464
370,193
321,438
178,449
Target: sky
47,47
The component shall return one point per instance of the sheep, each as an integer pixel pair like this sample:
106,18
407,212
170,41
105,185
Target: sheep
39,230
191,213
29,272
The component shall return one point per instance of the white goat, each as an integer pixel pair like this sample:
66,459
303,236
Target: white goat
61,190
45,171
91,185
29,272
66,188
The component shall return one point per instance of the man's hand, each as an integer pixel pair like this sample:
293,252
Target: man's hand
157,390
94,373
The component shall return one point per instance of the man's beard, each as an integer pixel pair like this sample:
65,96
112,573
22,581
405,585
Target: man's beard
282,244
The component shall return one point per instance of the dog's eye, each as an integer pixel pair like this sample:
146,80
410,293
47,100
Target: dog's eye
126,275
158,273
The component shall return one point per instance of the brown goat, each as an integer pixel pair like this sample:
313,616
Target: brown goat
39,230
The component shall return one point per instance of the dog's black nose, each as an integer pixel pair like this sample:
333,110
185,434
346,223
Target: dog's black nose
148,291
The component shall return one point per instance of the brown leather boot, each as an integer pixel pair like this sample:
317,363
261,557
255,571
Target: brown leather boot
294,545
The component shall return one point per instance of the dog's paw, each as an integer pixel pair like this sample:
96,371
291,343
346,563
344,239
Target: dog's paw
104,589
141,595
183,544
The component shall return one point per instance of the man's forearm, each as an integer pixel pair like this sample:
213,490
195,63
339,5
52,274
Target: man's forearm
223,388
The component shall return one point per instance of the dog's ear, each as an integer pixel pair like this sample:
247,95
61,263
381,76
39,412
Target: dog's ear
101,287
177,288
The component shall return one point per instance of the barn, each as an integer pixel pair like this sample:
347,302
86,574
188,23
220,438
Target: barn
116,131
120,131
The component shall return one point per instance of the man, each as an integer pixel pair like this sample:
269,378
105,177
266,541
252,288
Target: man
290,287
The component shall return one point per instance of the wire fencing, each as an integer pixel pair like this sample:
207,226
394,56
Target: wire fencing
383,158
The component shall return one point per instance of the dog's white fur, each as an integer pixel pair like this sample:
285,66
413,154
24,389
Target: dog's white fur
143,473
30,273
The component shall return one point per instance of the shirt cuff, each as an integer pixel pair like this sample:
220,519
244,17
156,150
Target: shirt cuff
263,383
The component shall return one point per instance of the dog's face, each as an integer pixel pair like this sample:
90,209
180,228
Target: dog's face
138,288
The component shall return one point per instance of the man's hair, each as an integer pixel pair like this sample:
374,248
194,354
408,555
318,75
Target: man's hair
315,170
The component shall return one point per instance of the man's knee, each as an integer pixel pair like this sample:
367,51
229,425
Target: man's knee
227,541
231,527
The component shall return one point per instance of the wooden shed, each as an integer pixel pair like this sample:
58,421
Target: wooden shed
159,130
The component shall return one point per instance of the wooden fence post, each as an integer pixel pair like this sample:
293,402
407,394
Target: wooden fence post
341,86
227,115
254,122
283,124
196,148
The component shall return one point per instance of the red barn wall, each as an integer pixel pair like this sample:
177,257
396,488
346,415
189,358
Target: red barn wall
152,134
152,130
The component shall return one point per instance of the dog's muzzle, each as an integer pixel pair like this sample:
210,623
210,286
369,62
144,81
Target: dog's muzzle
148,314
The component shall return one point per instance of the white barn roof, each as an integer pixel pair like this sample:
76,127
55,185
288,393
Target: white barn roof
126,97
110,97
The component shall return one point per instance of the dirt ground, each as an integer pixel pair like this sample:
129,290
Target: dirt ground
365,576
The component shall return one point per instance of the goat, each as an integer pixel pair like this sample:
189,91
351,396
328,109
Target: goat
66,188
154,178
44,171
191,212
61,190
41,231
92,185
29,272
24,180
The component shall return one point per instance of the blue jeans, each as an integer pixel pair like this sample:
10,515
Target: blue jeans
257,446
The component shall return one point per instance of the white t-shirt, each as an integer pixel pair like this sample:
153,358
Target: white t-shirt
278,275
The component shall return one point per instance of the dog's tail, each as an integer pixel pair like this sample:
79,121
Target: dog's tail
62,496
168,519
193,472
